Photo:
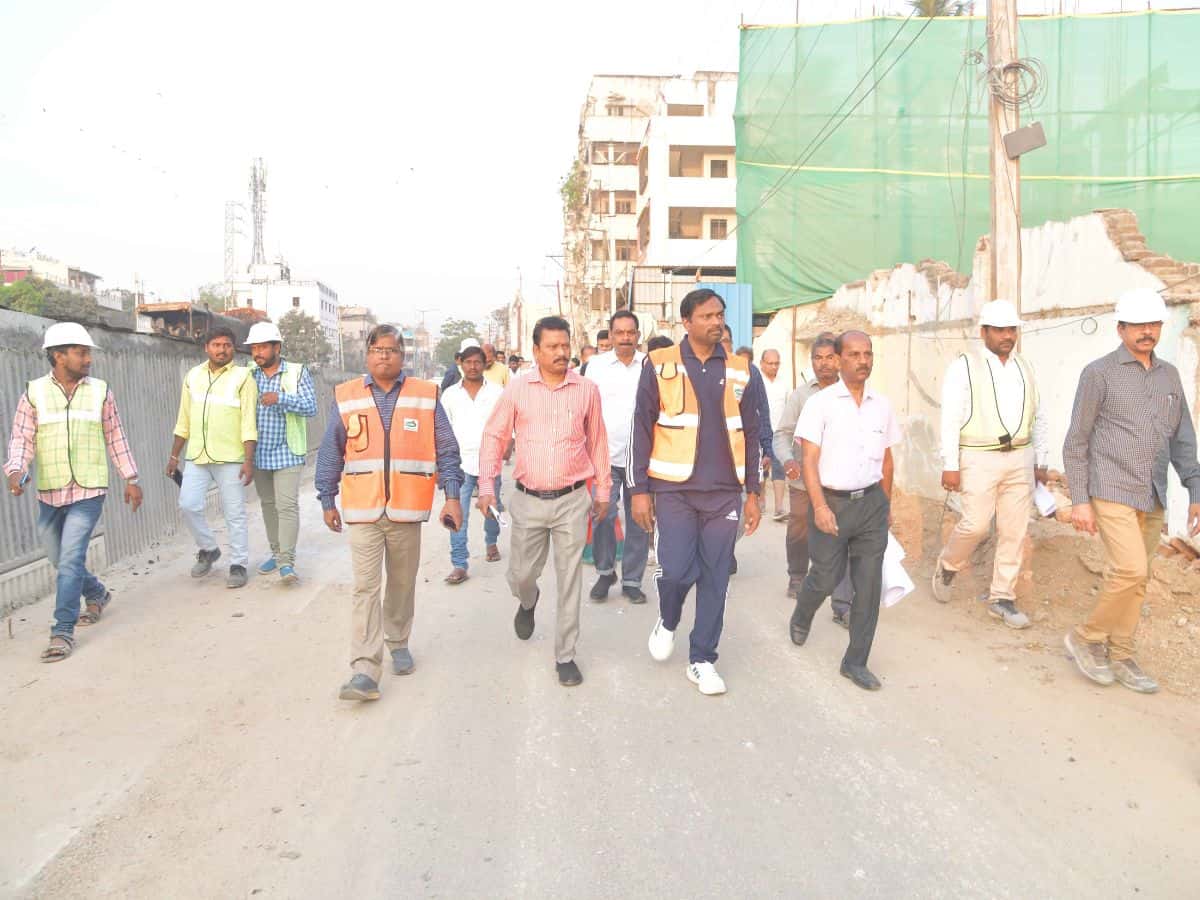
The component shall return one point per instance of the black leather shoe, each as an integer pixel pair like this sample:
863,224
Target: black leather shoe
600,588
633,594
569,674
523,623
733,566
861,676
799,632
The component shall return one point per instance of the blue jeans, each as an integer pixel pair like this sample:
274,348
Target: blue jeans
194,492
604,538
459,555
65,532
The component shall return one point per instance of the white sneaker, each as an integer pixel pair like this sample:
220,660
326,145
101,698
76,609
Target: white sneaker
662,642
704,676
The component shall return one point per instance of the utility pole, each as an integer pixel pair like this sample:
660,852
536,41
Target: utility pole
1004,248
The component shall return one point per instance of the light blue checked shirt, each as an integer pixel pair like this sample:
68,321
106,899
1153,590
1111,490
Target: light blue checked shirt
272,452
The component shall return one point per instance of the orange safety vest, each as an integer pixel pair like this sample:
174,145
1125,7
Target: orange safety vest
405,492
677,431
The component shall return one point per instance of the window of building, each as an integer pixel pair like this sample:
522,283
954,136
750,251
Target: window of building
685,109
625,203
599,250
600,203
626,250
296,302
718,168
718,229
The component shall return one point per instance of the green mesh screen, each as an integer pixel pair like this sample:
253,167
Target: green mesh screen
905,176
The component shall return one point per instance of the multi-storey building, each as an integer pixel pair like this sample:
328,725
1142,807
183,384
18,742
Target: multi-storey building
650,205
270,287
17,265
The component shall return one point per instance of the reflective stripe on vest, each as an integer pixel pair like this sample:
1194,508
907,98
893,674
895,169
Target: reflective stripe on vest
70,434
215,425
404,493
984,428
677,431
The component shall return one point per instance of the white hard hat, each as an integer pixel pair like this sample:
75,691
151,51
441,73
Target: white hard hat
264,333
61,334
1000,314
1141,305
467,342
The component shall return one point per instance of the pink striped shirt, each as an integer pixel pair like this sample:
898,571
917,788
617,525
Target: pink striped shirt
23,442
560,435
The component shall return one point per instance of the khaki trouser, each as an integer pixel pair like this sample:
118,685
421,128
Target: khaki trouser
534,522
279,496
994,483
1130,539
397,547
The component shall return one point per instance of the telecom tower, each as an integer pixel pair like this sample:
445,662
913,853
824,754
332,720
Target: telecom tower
258,207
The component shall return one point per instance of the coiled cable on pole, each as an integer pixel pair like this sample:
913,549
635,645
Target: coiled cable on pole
1026,87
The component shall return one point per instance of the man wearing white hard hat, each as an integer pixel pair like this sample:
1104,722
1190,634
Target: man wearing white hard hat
1129,420
286,401
65,422
994,439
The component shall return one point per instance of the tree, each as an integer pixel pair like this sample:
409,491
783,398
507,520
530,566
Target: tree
23,296
303,340
932,8
215,296
453,332
39,297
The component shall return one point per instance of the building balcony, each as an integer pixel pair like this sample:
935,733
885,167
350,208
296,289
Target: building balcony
687,252
617,129
705,192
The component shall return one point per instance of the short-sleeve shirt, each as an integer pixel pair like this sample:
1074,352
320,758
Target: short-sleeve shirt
852,437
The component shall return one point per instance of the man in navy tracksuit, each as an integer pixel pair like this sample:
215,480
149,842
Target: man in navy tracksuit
691,461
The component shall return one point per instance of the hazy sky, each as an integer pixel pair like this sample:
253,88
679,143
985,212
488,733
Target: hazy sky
413,151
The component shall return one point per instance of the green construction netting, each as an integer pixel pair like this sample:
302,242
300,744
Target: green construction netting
905,176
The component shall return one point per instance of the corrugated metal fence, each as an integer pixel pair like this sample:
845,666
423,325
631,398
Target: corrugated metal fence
145,373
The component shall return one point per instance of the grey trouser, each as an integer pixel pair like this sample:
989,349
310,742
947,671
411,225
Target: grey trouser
279,495
534,522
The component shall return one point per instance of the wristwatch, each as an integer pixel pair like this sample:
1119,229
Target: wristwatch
132,480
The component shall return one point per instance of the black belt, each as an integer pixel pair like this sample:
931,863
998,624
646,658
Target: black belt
850,495
551,495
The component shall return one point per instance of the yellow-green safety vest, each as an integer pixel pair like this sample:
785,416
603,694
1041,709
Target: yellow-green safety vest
215,425
297,426
983,428
70,433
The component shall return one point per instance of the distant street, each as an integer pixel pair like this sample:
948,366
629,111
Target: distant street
194,747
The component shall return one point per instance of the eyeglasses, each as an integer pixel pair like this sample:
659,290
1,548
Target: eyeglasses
384,351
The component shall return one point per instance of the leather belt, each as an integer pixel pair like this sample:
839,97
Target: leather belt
551,495
850,495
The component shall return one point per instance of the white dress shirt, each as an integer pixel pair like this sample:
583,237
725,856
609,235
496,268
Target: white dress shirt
467,418
852,438
618,384
777,394
1010,397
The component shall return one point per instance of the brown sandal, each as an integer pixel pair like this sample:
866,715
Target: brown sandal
91,615
60,648
458,576
493,553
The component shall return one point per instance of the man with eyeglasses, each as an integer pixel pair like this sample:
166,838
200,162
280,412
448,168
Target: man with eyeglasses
388,436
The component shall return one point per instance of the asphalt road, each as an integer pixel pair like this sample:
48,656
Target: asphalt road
194,747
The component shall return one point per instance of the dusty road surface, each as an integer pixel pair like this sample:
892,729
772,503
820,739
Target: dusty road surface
194,747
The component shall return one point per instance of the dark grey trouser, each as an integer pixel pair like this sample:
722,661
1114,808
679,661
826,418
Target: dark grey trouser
861,540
